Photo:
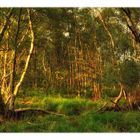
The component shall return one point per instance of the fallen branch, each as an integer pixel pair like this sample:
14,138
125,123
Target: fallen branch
22,111
116,105
100,109
138,107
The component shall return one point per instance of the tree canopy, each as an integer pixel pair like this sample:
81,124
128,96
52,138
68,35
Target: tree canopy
72,51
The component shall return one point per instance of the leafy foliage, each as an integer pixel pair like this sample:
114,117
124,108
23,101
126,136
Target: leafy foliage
130,73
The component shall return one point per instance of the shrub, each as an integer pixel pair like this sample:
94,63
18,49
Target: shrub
130,73
110,92
70,107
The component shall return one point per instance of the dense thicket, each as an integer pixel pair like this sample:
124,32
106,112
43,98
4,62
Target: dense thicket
88,52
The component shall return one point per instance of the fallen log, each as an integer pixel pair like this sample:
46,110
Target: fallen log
24,112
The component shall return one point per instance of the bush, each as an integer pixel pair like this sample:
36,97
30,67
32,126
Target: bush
130,73
51,104
110,92
70,108
87,92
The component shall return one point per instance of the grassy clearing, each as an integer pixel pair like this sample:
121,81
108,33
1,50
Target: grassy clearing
67,106
81,116
87,122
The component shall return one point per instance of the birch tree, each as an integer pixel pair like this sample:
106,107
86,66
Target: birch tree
9,85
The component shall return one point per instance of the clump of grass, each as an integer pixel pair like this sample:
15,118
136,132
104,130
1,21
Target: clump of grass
13,126
95,122
70,107
48,123
74,106
31,93
109,122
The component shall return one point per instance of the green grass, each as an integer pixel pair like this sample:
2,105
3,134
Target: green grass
80,116
110,122
87,122
67,106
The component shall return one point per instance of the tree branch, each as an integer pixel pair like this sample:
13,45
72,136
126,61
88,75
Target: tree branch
6,24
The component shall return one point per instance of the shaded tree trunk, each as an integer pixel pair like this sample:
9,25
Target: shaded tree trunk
2,106
96,91
4,28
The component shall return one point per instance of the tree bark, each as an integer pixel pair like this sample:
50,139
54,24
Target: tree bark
106,29
131,24
118,98
7,96
2,106
28,57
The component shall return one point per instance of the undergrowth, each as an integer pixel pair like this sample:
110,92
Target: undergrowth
81,116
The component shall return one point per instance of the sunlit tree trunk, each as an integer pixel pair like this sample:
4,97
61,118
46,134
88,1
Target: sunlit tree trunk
97,70
106,29
124,94
118,98
28,57
8,88
11,98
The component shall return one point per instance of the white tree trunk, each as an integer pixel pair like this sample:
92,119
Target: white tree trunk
28,57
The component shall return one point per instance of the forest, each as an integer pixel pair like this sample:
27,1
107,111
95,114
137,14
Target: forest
69,69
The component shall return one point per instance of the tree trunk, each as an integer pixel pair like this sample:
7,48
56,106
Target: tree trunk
2,106
118,98
7,97
9,106
129,100
96,91
116,101
106,29
28,57
4,28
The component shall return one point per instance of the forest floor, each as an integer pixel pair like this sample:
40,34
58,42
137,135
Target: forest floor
80,115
